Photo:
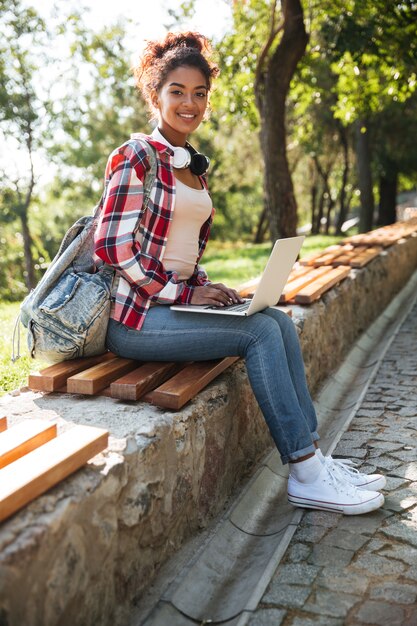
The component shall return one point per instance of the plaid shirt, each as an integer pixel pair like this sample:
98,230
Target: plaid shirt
133,241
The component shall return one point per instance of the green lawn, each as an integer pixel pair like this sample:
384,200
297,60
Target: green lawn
231,264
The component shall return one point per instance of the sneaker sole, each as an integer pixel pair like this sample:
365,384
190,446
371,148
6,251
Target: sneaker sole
376,485
347,509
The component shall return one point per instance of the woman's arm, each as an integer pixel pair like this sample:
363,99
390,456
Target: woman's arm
115,241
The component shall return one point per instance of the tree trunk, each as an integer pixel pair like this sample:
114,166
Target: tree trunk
343,204
262,226
27,247
363,155
271,88
388,198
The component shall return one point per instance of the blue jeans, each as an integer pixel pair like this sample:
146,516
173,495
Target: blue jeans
267,341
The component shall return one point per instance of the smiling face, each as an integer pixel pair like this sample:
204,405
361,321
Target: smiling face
181,103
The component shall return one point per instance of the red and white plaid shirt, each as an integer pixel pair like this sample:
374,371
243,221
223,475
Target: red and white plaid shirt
133,241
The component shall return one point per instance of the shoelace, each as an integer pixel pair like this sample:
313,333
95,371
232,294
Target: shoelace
344,466
337,480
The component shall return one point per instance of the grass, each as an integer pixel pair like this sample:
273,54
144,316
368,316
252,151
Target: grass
230,263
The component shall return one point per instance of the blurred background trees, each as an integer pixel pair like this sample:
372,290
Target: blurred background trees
313,122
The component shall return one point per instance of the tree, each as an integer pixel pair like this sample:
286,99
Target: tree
23,109
371,47
260,60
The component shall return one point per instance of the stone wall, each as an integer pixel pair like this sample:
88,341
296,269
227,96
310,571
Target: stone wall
82,552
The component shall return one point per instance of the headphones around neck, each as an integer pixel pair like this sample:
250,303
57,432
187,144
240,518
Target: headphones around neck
189,157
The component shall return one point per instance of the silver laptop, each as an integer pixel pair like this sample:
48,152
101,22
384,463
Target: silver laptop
269,289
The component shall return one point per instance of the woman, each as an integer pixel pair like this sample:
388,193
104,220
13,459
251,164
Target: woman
155,249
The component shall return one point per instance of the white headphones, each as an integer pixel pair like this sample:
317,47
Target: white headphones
185,157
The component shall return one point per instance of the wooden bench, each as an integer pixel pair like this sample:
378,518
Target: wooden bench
167,385
33,458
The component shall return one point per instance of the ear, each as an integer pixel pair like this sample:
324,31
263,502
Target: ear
155,99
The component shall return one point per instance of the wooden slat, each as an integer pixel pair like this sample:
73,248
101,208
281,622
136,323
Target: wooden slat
293,287
313,291
312,259
3,424
41,469
178,390
365,257
143,379
24,437
52,378
96,378
246,290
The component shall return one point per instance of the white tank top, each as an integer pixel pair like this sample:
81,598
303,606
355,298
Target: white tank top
192,208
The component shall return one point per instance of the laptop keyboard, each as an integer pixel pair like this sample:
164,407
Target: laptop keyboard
232,307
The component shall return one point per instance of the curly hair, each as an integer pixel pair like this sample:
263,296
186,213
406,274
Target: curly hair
175,50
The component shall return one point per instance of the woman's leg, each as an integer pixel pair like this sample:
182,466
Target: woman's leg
169,335
296,366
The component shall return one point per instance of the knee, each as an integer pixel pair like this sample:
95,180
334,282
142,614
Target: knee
263,327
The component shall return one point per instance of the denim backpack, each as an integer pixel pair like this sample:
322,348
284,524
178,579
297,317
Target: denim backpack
67,313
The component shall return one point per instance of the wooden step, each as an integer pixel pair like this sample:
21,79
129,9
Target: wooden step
186,384
54,377
39,470
3,423
314,290
17,441
134,385
94,379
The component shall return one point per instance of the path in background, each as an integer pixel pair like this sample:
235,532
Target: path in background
343,570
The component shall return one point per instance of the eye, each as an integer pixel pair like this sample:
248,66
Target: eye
201,94
176,92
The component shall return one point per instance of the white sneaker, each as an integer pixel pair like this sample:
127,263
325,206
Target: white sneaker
355,477
331,492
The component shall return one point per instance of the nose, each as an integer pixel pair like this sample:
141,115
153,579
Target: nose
188,98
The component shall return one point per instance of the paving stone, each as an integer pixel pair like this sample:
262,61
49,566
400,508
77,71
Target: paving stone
379,613
296,573
344,539
400,500
373,413
321,620
328,555
268,617
401,552
411,573
394,483
337,578
311,534
386,463
408,411
405,455
364,524
407,470
404,530
378,565
331,603
387,446
321,518
394,592
298,552
346,451
287,596
373,402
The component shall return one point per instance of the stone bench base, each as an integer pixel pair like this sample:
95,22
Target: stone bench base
82,552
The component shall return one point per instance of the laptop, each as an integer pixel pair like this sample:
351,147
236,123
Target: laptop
269,289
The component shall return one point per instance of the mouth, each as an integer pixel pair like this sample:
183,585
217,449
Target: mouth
188,117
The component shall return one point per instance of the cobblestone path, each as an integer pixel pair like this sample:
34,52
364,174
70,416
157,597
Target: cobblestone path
341,570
